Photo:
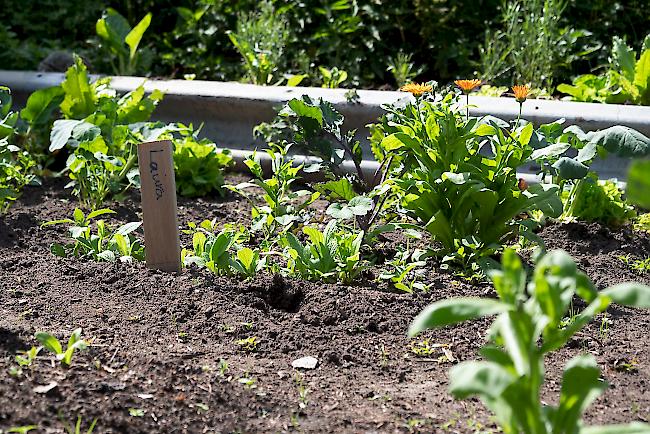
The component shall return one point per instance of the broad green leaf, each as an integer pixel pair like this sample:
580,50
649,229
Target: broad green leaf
642,72
61,133
135,35
622,141
41,105
453,311
78,216
638,183
301,109
246,256
479,378
623,56
546,198
127,228
58,250
526,134
99,212
581,385
550,151
79,101
629,294
121,244
485,130
49,342
568,168
113,29
296,79
396,141
339,189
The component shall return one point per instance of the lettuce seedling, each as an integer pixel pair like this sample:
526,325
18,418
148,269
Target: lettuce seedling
529,325
53,345
105,245
330,255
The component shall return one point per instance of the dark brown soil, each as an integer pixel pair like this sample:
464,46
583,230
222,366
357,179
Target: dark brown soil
159,341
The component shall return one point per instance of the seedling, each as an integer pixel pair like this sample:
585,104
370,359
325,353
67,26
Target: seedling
223,367
248,344
76,429
248,381
105,245
405,271
136,412
329,255
53,345
22,429
26,359
527,327
640,265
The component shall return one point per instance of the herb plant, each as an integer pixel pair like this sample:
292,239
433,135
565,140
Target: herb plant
565,156
52,344
261,39
121,41
284,207
627,80
105,245
331,255
466,199
102,132
527,327
315,128
198,165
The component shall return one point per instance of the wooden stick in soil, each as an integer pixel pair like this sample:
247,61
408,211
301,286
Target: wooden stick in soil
159,209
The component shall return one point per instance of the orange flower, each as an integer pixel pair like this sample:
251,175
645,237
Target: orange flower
521,92
468,85
416,89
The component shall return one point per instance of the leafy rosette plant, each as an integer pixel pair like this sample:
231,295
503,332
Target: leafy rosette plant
530,323
459,175
626,81
565,156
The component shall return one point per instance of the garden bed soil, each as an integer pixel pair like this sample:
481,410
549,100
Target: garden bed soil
158,340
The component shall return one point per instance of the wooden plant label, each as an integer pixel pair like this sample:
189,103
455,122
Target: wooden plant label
159,212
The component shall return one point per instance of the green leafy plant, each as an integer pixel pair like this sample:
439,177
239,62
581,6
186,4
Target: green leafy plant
332,78
16,164
121,41
627,79
198,165
101,131
641,265
284,207
329,255
467,200
405,270
565,156
76,428
315,128
403,69
222,252
531,46
527,327
261,39
105,245
602,201
248,344
52,344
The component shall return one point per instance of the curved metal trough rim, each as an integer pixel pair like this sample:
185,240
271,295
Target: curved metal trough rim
222,98
589,115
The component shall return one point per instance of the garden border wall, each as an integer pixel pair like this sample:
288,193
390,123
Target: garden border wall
230,110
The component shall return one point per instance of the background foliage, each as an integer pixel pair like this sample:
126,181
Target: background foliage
190,36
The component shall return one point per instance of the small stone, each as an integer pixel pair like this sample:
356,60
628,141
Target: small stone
45,388
308,362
